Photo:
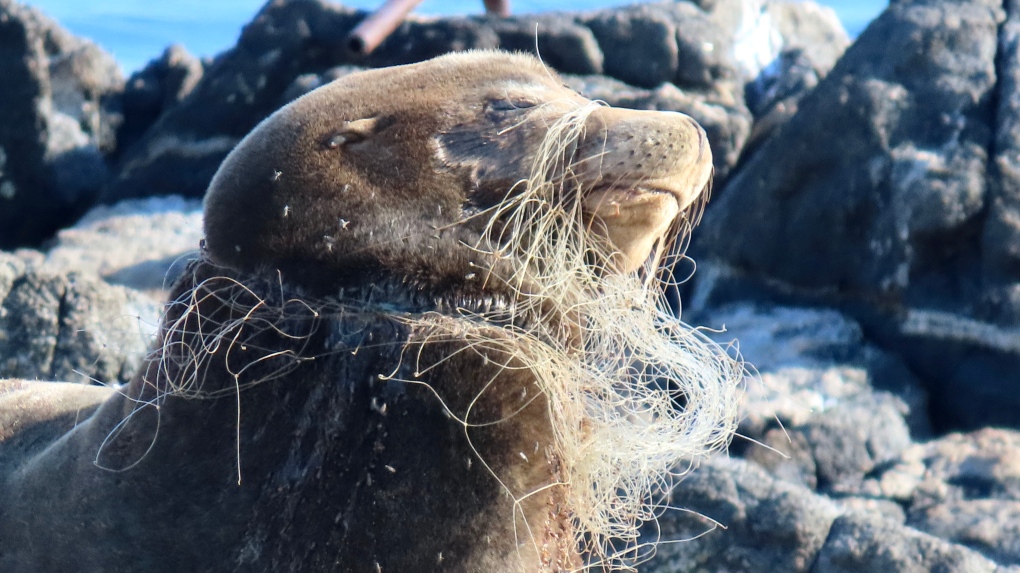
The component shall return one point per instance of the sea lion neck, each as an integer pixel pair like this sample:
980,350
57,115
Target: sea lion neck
474,294
410,295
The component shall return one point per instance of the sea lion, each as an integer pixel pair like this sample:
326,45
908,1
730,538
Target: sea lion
426,334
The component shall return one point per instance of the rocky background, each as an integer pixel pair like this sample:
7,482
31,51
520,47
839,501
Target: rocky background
863,245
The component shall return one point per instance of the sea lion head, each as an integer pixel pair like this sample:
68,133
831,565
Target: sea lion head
380,171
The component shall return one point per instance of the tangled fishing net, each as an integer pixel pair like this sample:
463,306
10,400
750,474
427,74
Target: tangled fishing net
636,396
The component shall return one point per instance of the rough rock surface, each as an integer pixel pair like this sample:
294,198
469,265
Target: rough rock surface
808,360
781,50
878,197
962,487
142,244
826,408
772,525
868,542
830,479
69,327
158,87
58,117
180,152
559,39
769,525
1000,242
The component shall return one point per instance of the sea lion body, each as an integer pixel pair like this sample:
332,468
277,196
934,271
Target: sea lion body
336,384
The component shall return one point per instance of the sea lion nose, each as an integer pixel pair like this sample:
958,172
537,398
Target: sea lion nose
654,144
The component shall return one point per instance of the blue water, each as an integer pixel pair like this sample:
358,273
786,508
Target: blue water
135,31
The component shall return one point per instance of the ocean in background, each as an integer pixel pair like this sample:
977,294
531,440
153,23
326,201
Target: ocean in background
136,31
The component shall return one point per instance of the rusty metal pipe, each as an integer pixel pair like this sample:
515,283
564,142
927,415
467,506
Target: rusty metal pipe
497,7
378,25
374,29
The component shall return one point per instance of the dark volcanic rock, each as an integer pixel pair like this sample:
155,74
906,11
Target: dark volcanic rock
57,119
639,43
162,84
837,448
776,526
770,525
828,407
879,183
808,40
874,197
774,96
705,48
142,244
557,39
1000,241
417,40
861,543
182,150
810,29
963,487
68,327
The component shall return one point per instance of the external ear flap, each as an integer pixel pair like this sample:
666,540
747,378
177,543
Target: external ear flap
353,132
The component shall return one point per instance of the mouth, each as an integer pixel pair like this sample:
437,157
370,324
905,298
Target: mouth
632,205
634,219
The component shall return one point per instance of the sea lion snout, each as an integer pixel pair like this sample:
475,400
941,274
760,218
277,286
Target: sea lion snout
662,150
648,168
